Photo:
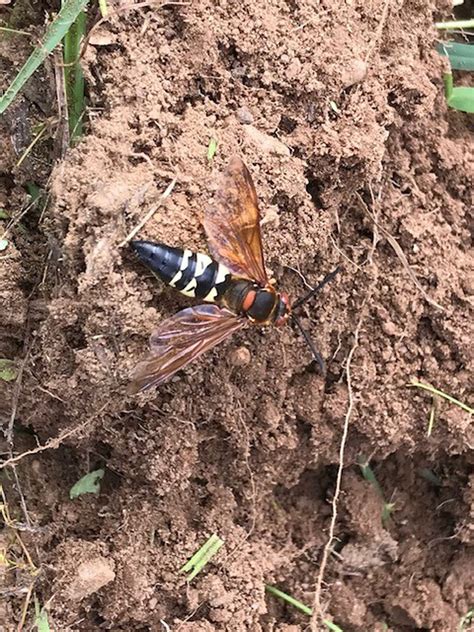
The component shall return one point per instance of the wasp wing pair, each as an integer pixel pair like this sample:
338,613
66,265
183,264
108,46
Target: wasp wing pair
232,225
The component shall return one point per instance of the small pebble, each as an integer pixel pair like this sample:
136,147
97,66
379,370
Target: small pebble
245,116
266,143
294,69
240,356
355,71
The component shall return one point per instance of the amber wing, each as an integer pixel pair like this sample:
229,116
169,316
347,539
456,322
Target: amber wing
232,224
180,340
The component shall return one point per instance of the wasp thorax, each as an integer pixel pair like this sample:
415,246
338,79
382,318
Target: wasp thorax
263,305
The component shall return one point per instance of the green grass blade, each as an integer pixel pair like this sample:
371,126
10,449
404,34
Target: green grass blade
73,75
435,391
461,56
41,622
429,476
202,557
466,620
54,34
455,25
88,484
273,590
211,150
462,99
289,599
8,371
104,10
461,63
368,474
456,48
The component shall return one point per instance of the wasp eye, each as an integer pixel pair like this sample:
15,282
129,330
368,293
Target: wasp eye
283,310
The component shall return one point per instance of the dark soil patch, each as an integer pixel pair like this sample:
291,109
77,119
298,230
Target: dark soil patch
248,452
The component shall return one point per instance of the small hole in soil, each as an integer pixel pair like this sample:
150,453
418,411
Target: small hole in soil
340,542
392,99
333,377
75,337
202,482
287,124
7,183
315,189
304,429
281,200
141,148
229,54
204,88
312,367
398,182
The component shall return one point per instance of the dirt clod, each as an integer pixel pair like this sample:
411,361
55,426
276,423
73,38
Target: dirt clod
91,576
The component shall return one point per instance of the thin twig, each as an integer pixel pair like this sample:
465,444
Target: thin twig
378,32
400,254
317,608
52,444
301,275
31,145
343,254
150,214
15,220
16,391
20,493
24,609
62,136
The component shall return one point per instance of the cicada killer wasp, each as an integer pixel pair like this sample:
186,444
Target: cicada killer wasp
233,283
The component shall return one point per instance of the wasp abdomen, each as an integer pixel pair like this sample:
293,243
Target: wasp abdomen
193,274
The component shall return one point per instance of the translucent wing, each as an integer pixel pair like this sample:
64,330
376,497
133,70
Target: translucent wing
232,224
180,340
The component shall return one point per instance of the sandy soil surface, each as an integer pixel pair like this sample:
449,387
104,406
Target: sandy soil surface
337,109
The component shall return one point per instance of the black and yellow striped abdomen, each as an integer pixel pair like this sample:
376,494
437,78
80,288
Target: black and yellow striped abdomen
194,274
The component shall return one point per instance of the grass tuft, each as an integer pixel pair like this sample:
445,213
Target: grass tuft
54,34
201,557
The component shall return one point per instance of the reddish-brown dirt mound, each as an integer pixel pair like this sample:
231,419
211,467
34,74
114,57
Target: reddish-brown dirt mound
337,109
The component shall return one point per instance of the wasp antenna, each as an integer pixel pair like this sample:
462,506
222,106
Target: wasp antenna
304,299
314,352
